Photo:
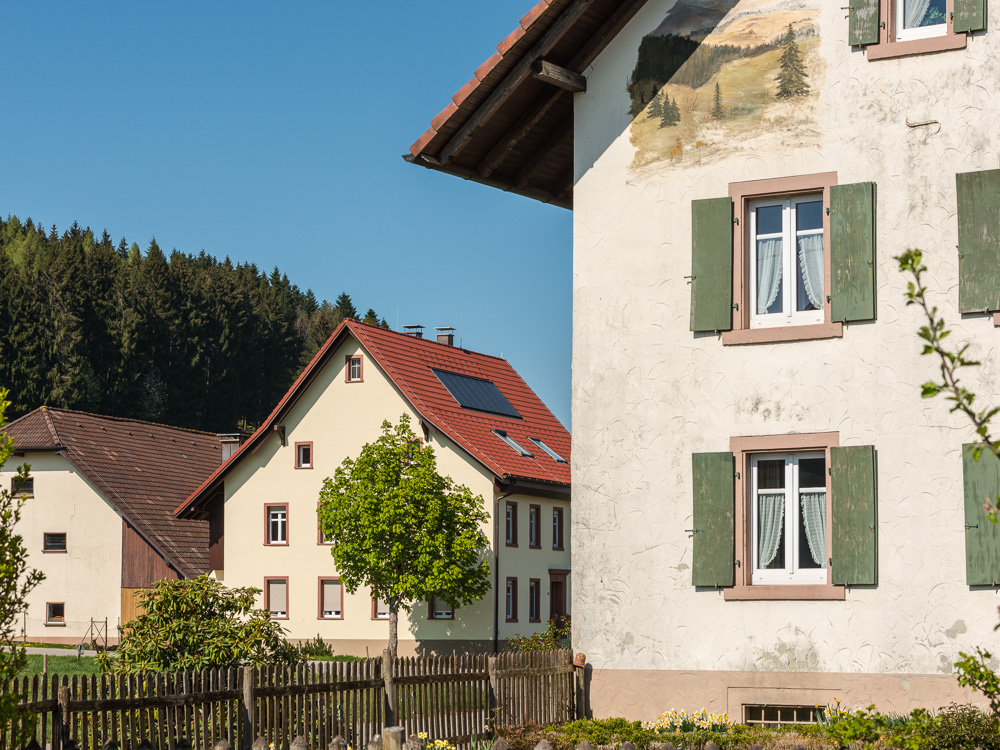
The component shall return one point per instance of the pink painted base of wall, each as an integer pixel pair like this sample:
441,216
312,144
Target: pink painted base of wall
645,694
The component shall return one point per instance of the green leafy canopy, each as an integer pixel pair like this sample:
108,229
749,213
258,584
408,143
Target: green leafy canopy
401,528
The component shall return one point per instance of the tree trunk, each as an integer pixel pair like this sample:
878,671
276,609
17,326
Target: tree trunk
393,627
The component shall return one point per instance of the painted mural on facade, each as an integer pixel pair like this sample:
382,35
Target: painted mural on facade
722,76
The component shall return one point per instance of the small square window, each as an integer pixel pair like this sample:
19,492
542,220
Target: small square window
25,487
277,525
354,370
380,610
441,610
331,604
53,542
303,455
55,613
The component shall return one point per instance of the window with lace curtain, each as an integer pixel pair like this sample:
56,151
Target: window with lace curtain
788,518
786,261
920,19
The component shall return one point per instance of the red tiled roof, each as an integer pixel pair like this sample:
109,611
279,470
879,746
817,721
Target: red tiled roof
143,469
407,361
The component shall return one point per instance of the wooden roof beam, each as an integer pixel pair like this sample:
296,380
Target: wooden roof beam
515,77
537,159
518,130
557,75
609,29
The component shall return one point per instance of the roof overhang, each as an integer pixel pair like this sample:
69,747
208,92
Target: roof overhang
534,487
511,125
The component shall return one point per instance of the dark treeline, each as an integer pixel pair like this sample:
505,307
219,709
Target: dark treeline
187,340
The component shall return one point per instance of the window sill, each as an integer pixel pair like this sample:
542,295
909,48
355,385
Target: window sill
815,592
338,617
888,50
275,544
54,551
784,333
55,624
303,467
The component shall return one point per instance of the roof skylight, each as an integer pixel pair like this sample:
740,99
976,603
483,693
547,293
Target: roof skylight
548,450
502,434
476,394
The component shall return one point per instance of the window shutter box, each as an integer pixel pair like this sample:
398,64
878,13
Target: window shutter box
713,519
855,518
712,264
982,537
852,252
970,15
864,22
978,240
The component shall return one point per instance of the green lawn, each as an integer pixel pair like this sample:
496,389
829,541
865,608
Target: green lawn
61,665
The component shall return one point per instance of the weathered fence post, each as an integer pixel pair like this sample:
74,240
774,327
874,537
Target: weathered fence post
339,743
299,743
491,666
248,708
375,743
390,693
392,737
62,702
579,667
414,743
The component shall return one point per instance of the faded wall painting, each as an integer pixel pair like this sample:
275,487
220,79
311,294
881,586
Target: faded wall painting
722,76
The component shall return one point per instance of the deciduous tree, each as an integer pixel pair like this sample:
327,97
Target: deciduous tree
402,529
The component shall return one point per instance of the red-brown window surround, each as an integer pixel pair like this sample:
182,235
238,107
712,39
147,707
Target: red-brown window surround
510,524
743,448
267,595
267,524
535,526
375,610
319,598
887,46
535,599
557,523
347,369
742,194
511,612
62,551
298,456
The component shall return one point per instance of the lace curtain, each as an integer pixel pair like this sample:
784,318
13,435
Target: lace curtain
811,269
768,273
914,12
814,520
771,517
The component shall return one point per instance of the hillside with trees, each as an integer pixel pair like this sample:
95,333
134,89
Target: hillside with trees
181,339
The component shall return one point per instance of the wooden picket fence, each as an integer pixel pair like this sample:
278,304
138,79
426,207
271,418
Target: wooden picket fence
451,698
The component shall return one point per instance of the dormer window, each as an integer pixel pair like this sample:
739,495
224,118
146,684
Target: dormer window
502,434
555,456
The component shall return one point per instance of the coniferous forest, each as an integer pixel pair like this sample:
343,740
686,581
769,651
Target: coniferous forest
181,339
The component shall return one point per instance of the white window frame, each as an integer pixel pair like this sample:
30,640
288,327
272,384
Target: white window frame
441,610
277,614
534,526
511,600
279,515
334,614
790,574
557,528
789,315
300,448
354,369
502,434
921,32
380,614
552,454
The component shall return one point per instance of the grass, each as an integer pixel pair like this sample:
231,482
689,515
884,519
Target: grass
70,665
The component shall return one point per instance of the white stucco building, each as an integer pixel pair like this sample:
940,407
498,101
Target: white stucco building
765,511
489,432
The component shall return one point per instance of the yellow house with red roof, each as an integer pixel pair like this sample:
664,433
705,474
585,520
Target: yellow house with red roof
489,431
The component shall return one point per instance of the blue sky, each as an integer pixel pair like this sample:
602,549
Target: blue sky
273,133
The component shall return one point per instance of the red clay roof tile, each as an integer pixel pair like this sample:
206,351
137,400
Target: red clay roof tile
463,93
488,65
511,39
533,15
443,115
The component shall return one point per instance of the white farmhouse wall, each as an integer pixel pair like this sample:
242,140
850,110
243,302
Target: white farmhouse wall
339,418
648,392
87,577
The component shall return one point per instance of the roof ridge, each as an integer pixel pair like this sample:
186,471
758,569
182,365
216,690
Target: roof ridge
451,347
45,409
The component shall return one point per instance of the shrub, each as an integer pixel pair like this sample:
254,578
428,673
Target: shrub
960,727
317,648
555,637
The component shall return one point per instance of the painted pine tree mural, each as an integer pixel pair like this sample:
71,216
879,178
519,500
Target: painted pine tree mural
792,77
717,111
670,113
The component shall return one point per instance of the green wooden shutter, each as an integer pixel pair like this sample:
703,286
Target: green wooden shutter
714,503
852,252
855,519
970,15
864,22
982,537
712,264
978,240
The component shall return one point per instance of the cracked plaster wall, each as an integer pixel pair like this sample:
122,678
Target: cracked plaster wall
647,392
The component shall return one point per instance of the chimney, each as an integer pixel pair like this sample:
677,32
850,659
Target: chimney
231,443
446,335
417,331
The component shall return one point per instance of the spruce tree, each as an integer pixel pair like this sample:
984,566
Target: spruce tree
656,106
791,78
718,112
671,112
345,306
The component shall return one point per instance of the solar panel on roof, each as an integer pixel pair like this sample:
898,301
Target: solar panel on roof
476,393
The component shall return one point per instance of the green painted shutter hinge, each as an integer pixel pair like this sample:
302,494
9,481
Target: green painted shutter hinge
827,210
881,24
829,298
736,220
971,526
692,531
736,305
829,561
829,469
738,564
737,475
